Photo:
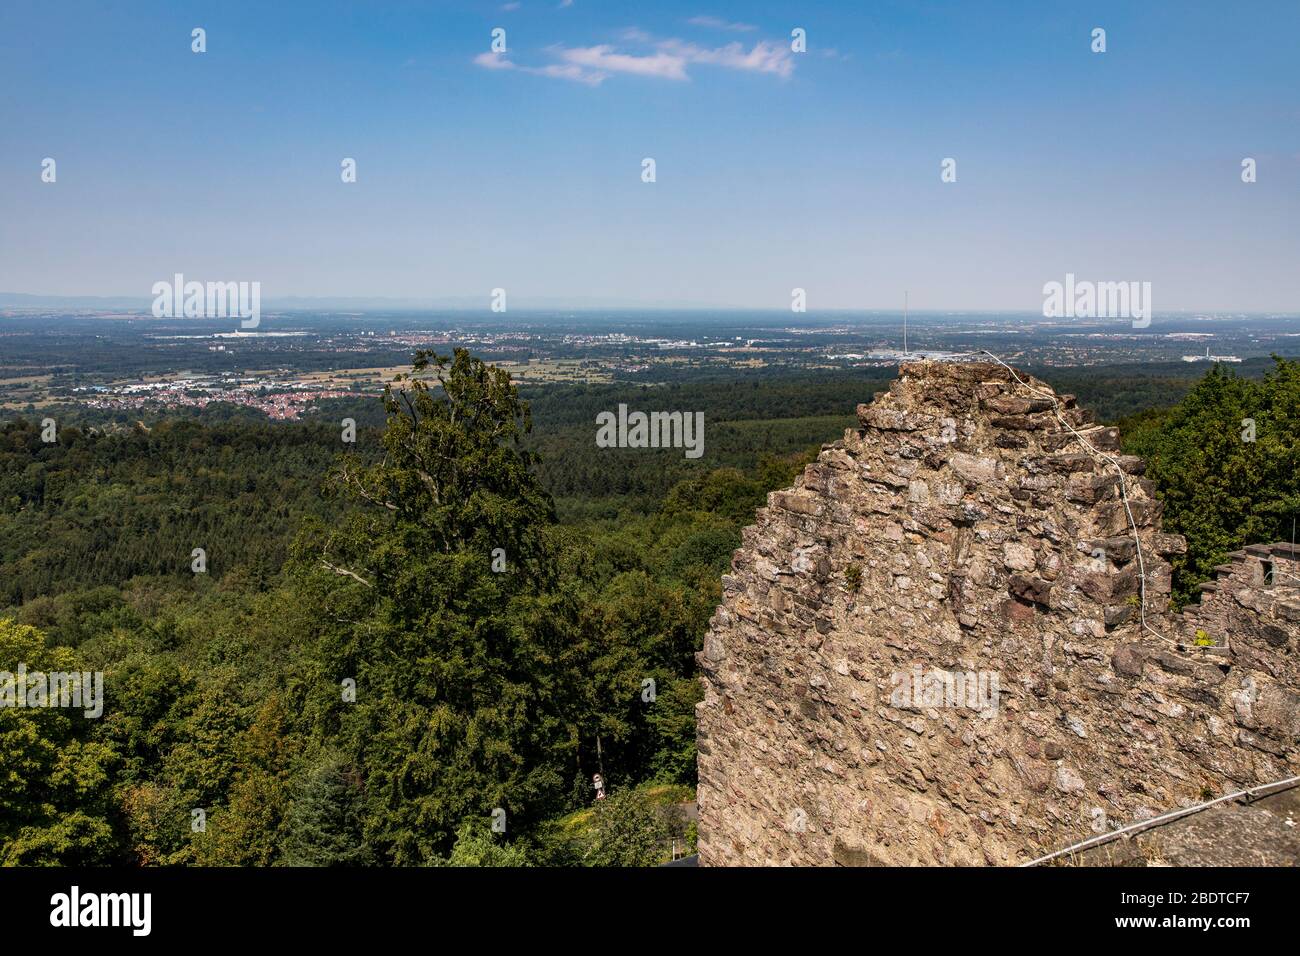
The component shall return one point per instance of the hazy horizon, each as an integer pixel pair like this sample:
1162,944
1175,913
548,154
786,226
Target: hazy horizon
21,301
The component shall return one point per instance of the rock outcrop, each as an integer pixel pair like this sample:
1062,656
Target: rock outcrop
950,643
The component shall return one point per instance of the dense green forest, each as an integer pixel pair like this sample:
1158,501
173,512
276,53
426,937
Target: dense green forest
1226,463
453,621
391,639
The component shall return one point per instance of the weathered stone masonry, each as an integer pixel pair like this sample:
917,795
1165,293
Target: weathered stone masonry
963,528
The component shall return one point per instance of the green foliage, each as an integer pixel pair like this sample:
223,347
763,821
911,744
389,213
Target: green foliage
1221,490
53,774
627,830
100,509
477,845
324,825
460,697
672,729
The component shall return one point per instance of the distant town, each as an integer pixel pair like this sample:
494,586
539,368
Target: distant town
279,401
126,362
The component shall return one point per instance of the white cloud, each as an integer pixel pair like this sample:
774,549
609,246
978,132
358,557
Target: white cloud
568,71
563,71
765,57
717,23
592,65
494,61
603,57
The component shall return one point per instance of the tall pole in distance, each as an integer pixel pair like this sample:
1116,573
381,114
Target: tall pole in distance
904,322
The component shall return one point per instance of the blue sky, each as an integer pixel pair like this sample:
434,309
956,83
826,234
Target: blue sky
775,169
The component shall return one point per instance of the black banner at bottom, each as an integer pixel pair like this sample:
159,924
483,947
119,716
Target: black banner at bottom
613,908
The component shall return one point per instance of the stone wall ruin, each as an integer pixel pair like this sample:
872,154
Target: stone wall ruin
966,529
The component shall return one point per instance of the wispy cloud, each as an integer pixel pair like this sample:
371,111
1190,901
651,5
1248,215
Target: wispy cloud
603,57
494,61
763,57
667,59
562,71
568,71
717,23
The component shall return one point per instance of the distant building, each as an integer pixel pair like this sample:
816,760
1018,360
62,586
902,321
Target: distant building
1207,357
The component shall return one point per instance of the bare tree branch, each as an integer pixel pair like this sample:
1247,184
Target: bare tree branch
346,573
355,483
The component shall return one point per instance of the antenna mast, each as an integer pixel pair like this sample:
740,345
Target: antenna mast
905,323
